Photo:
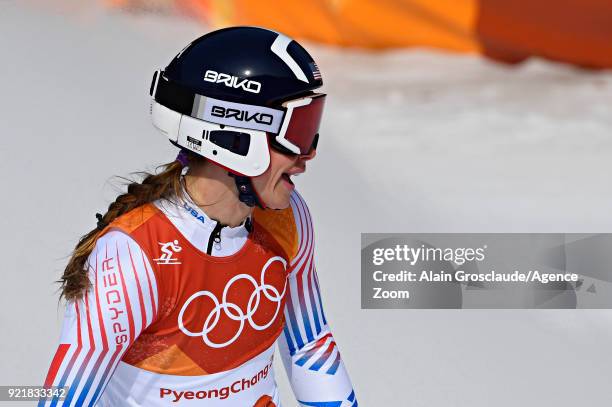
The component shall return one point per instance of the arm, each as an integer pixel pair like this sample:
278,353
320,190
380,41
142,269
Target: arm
308,349
98,328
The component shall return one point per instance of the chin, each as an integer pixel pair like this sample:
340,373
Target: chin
279,205
279,201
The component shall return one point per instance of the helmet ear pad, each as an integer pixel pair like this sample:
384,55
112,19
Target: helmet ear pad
242,151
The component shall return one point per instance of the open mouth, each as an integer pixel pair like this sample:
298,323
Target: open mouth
287,178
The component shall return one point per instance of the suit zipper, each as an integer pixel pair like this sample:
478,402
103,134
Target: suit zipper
215,237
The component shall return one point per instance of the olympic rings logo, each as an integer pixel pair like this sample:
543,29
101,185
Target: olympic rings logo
233,311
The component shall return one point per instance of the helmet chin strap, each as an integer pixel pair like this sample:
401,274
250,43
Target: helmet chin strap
246,191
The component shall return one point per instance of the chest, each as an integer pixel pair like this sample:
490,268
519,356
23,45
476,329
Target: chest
213,313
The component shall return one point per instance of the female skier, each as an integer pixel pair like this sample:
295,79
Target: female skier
180,293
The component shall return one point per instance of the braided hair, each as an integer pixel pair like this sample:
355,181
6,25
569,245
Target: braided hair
164,184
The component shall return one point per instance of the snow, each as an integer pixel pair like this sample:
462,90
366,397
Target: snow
413,141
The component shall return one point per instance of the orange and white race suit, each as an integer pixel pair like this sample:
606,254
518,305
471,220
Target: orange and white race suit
185,311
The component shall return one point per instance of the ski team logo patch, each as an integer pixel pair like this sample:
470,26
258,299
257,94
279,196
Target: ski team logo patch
169,249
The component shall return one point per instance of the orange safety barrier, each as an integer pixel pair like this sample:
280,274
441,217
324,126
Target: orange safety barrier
574,31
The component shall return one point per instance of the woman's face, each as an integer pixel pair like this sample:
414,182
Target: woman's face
275,186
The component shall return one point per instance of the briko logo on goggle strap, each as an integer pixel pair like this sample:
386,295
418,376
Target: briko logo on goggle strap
237,114
232,81
241,115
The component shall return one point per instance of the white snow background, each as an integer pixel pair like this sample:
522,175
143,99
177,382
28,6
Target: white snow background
412,141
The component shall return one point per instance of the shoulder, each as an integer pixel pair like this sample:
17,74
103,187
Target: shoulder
115,242
291,227
146,226
117,262
302,217
135,218
303,224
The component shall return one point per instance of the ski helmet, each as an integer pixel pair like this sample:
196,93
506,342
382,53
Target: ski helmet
233,93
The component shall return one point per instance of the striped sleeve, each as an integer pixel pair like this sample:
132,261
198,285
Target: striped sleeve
98,328
308,349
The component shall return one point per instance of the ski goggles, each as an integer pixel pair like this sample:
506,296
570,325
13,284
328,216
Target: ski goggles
299,132
294,127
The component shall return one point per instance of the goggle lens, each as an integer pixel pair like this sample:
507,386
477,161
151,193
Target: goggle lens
305,120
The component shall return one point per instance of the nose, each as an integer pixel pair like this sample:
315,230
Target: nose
311,154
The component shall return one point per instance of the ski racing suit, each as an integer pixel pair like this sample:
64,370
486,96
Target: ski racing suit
186,311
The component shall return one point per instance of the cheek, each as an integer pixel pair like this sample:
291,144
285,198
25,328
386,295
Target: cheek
267,181
261,181
279,161
278,164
